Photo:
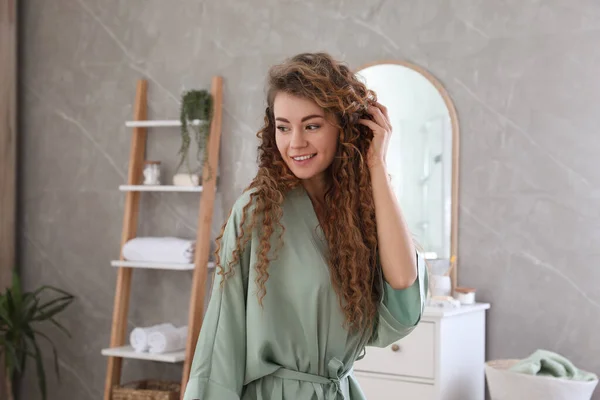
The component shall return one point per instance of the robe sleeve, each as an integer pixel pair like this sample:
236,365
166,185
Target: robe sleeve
401,310
219,364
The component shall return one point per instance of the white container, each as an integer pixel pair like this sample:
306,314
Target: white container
152,173
186,180
508,385
438,266
441,285
466,296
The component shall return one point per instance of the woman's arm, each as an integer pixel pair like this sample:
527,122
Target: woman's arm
219,365
396,248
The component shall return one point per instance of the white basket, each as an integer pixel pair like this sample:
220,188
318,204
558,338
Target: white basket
508,385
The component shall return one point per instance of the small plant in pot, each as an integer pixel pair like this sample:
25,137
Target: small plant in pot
195,105
21,313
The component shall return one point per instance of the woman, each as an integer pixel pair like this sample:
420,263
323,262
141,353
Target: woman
315,261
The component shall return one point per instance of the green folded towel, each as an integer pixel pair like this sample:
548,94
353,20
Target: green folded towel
547,363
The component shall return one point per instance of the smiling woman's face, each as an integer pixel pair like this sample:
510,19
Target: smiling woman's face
306,139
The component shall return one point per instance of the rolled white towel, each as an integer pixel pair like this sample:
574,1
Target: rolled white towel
160,249
138,338
168,341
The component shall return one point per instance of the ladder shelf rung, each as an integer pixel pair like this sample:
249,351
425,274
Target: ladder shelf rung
129,352
157,265
160,123
159,188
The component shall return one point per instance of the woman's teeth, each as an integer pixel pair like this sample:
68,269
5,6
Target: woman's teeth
302,158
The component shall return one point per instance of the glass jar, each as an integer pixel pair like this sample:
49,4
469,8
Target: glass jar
152,173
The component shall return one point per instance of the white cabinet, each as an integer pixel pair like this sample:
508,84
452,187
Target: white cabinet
442,359
378,387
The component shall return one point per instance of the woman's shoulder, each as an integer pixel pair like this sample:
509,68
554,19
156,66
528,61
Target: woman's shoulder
243,208
246,205
246,200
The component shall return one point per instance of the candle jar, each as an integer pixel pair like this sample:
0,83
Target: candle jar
152,173
465,295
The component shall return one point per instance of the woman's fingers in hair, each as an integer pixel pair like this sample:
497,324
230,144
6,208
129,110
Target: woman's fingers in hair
380,116
375,127
377,148
384,110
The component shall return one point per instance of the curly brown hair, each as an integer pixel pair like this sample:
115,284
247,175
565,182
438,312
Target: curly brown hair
349,223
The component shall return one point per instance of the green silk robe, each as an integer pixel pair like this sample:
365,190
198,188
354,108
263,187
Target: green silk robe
294,347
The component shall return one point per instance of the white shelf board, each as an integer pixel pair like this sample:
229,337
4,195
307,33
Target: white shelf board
159,188
160,123
129,352
157,265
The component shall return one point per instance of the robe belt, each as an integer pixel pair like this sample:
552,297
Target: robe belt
333,386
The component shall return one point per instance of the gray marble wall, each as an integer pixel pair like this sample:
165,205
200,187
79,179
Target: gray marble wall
523,74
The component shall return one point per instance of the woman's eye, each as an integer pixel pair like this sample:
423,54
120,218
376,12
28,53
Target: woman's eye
283,128
312,127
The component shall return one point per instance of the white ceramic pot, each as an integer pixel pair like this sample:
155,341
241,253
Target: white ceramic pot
504,384
441,285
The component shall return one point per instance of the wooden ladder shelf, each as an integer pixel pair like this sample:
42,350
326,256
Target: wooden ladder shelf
118,350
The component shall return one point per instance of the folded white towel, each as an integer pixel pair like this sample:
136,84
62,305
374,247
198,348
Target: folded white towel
168,341
159,249
139,337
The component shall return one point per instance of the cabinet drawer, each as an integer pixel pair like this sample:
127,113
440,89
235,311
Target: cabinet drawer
390,388
412,356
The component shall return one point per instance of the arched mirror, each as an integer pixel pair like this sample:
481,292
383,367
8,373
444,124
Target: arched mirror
422,156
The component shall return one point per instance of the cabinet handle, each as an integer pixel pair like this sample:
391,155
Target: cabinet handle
395,348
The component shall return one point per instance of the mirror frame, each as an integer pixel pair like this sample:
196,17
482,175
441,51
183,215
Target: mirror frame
455,155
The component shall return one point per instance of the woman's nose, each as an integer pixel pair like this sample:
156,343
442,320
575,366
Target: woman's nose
298,140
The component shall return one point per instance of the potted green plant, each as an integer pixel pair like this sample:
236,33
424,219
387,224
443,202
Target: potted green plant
195,105
21,313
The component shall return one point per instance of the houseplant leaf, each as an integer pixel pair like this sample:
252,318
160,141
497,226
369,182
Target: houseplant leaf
39,365
50,309
20,314
54,353
59,326
195,104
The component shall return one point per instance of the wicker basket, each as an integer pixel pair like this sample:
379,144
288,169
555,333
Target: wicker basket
504,384
147,390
